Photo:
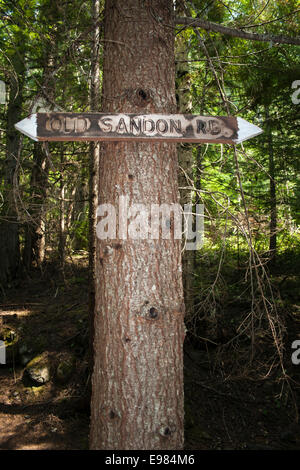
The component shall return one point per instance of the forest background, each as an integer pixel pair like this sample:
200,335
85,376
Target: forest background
242,286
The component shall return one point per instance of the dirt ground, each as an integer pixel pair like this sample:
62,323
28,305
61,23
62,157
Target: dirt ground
223,410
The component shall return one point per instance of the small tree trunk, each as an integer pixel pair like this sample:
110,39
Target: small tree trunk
62,232
93,171
78,210
34,249
9,224
273,198
35,236
137,397
185,158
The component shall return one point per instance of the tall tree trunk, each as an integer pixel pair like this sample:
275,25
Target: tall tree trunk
62,213
78,209
93,171
9,225
137,396
273,198
35,236
34,248
185,157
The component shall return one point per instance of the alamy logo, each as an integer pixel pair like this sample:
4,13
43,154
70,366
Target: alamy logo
153,222
296,354
2,352
296,94
2,92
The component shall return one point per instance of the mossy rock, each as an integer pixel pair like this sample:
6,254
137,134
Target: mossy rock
38,370
36,392
11,341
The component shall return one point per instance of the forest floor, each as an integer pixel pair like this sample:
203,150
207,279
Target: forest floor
226,407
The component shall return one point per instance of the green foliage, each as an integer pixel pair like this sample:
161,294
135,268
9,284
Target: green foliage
80,233
229,75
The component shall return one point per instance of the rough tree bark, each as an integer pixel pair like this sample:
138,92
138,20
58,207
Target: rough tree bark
137,386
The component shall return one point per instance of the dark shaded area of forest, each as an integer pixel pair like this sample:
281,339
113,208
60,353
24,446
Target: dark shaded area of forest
234,399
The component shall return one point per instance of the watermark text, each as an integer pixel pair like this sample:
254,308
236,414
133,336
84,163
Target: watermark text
151,222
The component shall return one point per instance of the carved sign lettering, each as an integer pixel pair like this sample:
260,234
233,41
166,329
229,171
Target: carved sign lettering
106,127
56,126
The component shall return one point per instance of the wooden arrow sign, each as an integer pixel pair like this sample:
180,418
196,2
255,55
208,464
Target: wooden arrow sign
137,127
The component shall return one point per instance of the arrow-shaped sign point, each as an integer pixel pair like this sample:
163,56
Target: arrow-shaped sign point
28,126
246,130
59,126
